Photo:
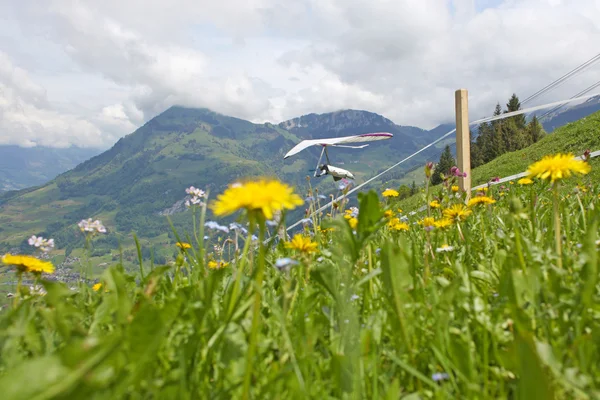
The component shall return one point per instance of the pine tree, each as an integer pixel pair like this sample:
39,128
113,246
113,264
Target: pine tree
497,147
484,142
413,188
535,130
515,105
443,167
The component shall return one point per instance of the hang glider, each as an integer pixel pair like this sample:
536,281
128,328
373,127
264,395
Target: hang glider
345,142
339,142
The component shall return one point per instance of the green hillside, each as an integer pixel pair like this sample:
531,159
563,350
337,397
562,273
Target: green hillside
575,137
142,178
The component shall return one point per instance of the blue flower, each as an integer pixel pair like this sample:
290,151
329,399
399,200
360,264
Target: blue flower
215,225
439,376
284,263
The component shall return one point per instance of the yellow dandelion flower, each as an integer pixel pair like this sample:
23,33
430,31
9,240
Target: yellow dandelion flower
28,263
302,244
266,196
485,189
442,223
511,182
427,222
399,226
390,193
349,213
393,221
353,222
388,214
524,181
400,210
557,167
434,204
456,213
212,264
454,188
480,200
97,287
183,245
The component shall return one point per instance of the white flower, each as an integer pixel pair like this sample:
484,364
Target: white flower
87,225
444,248
197,195
43,244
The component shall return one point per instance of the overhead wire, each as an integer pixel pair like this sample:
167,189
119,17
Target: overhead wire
587,90
479,121
575,71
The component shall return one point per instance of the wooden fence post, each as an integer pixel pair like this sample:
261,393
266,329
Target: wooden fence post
463,140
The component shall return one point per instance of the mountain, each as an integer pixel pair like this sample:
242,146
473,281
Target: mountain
22,167
133,185
563,116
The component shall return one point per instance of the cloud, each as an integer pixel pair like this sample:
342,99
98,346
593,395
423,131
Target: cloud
87,73
27,120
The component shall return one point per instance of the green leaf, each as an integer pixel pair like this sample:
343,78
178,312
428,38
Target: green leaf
534,382
590,267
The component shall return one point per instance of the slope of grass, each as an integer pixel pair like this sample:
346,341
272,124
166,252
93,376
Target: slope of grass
485,308
575,137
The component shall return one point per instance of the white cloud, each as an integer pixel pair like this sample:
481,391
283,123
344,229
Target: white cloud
89,72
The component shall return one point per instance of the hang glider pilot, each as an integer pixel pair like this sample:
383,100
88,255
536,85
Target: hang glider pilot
335,172
345,142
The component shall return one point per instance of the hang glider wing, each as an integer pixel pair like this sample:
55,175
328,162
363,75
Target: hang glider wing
339,142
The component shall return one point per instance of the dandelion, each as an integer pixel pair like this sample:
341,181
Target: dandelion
388,214
457,213
427,223
442,223
302,243
212,264
353,222
390,193
434,204
480,200
183,246
264,196
558,167
28,263
454,188
398,226
97,287
524,181
352,212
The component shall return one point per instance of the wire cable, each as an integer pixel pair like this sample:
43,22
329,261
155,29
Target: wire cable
577,70
479,121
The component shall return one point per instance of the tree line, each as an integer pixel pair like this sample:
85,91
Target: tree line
504,136
495,138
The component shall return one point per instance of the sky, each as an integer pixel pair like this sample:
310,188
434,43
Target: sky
85,73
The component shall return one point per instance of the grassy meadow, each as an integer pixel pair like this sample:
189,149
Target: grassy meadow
491,297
